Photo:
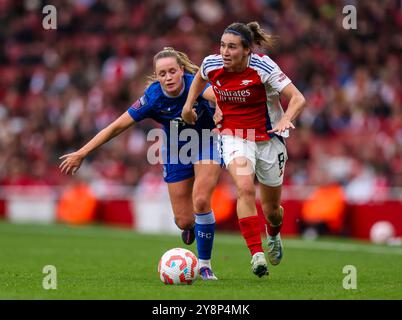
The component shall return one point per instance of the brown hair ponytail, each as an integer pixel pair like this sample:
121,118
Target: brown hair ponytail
260,37
251,33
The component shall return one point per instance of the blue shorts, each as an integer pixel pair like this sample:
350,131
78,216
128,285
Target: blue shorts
177,171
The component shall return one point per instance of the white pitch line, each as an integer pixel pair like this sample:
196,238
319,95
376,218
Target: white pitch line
345,247
325,245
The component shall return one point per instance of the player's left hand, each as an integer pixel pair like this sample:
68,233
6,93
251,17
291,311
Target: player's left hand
283,125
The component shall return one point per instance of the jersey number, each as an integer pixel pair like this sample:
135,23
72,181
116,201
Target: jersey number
281,160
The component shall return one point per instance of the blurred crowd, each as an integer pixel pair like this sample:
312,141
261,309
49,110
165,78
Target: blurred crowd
59,87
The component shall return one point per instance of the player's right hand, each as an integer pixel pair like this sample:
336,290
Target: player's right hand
71,163
189,115
218,117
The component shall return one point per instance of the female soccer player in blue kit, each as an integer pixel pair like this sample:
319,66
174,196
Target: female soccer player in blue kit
190,185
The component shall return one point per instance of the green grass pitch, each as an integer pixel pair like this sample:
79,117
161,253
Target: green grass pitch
107,263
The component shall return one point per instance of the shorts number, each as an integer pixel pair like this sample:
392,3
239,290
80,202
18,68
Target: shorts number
281,159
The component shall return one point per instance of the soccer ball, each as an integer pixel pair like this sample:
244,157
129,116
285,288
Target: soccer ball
178,266
382,232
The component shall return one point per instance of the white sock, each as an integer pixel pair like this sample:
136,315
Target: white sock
204,263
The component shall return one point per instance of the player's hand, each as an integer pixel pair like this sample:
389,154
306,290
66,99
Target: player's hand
283,125
71,162
189,115
218,116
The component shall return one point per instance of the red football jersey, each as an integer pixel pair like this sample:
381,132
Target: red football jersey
249,100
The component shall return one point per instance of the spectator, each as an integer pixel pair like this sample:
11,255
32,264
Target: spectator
57,87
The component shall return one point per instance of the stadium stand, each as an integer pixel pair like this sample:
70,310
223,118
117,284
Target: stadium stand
59,87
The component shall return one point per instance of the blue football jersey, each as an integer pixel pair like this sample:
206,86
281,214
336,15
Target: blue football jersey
155,104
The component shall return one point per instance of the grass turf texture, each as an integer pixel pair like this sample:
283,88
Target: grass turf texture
106,263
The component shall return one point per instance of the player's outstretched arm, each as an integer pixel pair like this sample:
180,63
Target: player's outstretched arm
188,114
296,104
72,161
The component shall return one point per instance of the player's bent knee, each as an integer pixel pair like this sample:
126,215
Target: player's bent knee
246,191
201,203
184,223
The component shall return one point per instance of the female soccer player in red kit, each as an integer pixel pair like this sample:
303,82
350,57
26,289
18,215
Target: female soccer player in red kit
247,87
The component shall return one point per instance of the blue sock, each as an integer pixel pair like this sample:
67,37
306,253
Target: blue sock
204,234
